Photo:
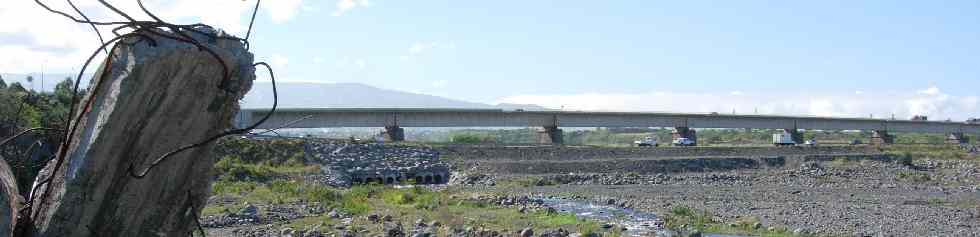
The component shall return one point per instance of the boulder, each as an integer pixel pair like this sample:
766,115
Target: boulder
10,199
151,96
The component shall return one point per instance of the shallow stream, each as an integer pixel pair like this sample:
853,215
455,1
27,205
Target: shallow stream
637,223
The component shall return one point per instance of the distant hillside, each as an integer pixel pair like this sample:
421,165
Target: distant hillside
313,95
528,107
350,95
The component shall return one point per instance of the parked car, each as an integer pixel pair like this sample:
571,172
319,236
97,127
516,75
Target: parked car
683,141
811,142
646,141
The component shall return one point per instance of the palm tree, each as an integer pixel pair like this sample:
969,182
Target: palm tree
30,79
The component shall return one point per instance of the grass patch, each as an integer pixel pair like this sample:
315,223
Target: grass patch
843,162
682,217
906,153
913,176
525,181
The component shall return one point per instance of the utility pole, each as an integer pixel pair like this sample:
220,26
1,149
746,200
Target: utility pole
42,75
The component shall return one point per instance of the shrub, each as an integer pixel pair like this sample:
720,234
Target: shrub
466,138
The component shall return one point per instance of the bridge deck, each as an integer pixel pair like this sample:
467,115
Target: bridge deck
409,117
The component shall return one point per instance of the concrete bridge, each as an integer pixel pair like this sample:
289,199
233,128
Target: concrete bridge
394,119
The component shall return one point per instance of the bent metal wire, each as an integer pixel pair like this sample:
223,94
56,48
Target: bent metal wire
142,30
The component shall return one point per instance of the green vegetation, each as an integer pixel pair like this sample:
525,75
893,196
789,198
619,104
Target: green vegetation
906,153
21,109
404,205
682,218
913,176
525,181
467,138
270,172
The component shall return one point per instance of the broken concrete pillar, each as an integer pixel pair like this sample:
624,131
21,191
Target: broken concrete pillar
956,138
685,132
157,96
10,199
551,135
394,134
881,137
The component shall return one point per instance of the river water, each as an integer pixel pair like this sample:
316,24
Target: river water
637,223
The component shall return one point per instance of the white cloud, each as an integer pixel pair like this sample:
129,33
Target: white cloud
282,10
319,60
421,48
33,36
348,63
736,93
934,104
933,90
278,61
417,48
343,6
440,83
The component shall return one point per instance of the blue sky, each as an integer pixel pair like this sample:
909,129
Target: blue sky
488,49
783,56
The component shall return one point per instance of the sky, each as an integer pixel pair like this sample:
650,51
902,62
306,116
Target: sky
826,58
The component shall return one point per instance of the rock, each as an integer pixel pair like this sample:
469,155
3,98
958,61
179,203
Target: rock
756,225
373,218
287,232
435,224
527,232
386,218
393,230
158,95
333,214
555,233
10,199
694,234
799,231
607,226
419,223
249,210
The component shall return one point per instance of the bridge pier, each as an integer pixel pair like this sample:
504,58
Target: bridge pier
956,138
551,134
394,134
795,134
685,132
881,137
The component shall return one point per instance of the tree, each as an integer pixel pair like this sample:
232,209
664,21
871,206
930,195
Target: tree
3,85
16,87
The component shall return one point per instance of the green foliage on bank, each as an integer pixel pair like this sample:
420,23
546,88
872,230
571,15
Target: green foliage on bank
21,109
688,219
940,152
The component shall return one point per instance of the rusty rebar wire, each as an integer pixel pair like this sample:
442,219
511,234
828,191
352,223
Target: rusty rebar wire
158,161
96,29
143,30
250,22
284,125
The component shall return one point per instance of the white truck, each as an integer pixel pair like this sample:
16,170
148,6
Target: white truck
646,141
683,141
783,139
